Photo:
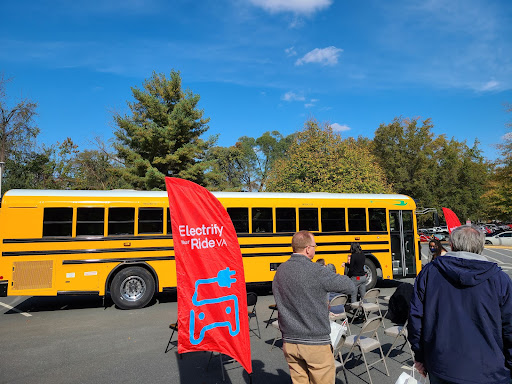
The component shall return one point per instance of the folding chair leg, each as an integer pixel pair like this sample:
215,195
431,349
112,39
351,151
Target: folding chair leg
222,367
274,342
270,318
348,355
258,324
169,343
221,364
367,368
392,345
383,360
167,348
356,313
410,349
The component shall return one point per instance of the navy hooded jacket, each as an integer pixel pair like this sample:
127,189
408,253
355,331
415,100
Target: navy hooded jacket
460,323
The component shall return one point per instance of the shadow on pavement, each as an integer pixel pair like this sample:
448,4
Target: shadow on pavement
202,367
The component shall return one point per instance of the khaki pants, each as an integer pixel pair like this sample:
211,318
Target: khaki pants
310,363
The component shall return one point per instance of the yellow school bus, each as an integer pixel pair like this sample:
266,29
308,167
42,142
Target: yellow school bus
55,242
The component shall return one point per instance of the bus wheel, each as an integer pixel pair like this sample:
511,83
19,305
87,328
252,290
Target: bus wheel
371,274
132,288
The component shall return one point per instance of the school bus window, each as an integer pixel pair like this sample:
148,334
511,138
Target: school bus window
308,219
377,219
394,221
240,219
121,221
407,220
262,220
285,220
90,221
333,219
151,220
356,219
57,222
169,224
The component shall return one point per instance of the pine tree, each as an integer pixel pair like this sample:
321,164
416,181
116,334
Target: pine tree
162,137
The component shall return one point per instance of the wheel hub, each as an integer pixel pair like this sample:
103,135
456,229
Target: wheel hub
133,288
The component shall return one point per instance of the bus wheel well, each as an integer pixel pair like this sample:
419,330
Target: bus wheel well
125,265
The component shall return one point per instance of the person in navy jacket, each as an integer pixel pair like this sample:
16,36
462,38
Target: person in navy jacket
460,323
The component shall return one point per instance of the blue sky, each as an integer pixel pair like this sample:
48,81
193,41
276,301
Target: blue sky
263,65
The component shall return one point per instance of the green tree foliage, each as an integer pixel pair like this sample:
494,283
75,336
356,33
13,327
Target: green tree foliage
51,167
405,150
498,196
98,169
17,126
435,171
462,176
162,136
245,165
319,160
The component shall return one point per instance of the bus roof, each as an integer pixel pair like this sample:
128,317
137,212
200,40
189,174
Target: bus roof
127,193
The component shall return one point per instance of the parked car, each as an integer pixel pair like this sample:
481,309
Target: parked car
503,238
424,238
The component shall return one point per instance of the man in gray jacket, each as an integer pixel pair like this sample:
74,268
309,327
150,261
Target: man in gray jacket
300,288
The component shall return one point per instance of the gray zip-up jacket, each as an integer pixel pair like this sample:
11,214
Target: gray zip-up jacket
300,288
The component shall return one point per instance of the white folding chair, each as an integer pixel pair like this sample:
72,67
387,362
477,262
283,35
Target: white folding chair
367,343
338,358
398,331
275,324
368,304
339,301
386,299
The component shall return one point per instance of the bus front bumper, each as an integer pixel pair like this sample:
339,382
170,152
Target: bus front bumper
3,288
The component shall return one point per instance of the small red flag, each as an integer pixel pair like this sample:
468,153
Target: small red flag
452,221
212,297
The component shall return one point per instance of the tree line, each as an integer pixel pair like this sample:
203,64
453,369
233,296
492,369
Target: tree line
163,134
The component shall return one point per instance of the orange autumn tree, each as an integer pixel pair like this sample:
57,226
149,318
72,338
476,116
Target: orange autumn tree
320,160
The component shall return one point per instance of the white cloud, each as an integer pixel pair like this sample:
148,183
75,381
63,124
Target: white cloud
339,128
507,136
305,7
290,51
297,22
490,85
292,96
323,56
311,103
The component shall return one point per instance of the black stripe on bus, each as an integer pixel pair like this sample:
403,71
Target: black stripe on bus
156,249
141,259
335,252
84,238
164,237
316,233
88,251
117,260
319,244
78,293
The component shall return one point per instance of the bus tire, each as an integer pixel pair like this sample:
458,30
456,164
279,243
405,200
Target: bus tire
132,288
371,274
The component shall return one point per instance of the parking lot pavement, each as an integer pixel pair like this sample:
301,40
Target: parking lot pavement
77,340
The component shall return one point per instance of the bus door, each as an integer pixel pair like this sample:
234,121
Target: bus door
402,243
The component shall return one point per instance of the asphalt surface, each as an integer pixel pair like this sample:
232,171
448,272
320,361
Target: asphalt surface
81,340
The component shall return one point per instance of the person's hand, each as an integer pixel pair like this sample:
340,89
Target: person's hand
343,264
420,368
